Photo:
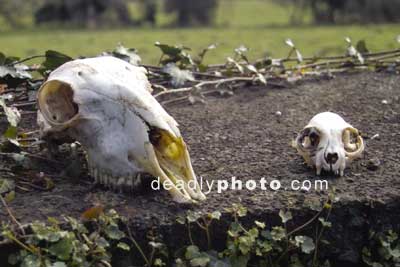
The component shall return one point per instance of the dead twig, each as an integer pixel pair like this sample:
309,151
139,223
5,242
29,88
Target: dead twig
10,214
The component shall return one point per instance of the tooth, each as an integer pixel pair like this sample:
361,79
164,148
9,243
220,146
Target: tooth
95,175
102,177
137,180
130,181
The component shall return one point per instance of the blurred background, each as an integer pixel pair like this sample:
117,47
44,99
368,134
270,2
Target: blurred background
89,27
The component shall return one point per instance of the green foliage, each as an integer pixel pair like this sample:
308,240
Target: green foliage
69,243
128,54
53,60
383,249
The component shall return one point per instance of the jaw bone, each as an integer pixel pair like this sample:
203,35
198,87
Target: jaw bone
105,104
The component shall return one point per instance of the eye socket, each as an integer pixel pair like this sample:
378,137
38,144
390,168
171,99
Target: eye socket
56,102
350,137
309,138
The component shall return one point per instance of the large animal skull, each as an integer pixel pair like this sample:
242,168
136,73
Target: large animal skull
105,104
329,143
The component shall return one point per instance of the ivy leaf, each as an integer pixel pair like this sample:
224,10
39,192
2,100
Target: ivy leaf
236,64
285,216
59,264
192,252
289,43
306,243
113,232
181,220
178,77
12,114
123,246
129,55
203,53
361,47
6,186
278,233
10,196
241,51
102,242
62,249
18,72
239,261
54,59
31,261
201,261
260,224
299,56
216,215
169,50
325,223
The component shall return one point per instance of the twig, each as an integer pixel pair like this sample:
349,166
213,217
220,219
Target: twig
25,59
148,263
13,219
24,104
205,83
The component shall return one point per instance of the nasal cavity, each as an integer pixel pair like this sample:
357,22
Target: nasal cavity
332,158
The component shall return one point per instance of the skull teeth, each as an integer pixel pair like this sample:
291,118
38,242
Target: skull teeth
114,182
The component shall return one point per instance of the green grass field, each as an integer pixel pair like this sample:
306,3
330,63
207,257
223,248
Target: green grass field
259,25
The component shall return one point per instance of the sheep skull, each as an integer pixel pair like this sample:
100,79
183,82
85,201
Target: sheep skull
105,104
329,143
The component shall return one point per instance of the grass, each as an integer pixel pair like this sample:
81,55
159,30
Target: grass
261,41
259,25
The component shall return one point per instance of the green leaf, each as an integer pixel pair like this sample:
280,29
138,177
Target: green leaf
102,242
31,261
236,64
129,55
278,233
12,114
361,47
11,133
62,249
54,59
216,215
193,216
192,252
306,243
285,216
178,77
6,185
168,49
325,223
59,264
289,43
260,224
113,232
123,246
10,196
239,261
201,261
181,220
15,72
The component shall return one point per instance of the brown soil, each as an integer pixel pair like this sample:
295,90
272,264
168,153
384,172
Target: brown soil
241,136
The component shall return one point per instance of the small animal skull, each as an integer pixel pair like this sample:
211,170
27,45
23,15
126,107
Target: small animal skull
105,104
329,143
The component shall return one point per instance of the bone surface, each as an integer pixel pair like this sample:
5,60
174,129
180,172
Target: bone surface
329,143
105,104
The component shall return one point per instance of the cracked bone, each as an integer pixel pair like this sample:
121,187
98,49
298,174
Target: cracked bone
329,143
105,104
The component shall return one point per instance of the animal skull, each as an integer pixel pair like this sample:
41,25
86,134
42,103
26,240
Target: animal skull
105,104
329,143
